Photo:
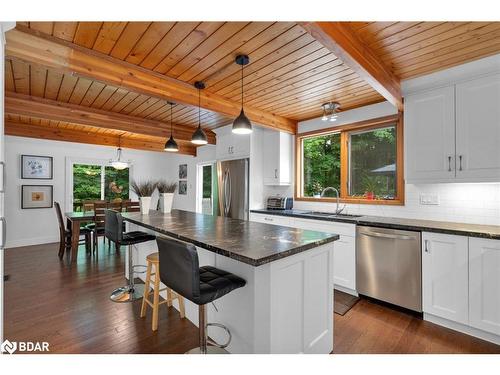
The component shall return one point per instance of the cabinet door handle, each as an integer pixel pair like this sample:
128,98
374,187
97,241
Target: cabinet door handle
426,246
4,232
4,176
449,163
460,162
268,219
275,173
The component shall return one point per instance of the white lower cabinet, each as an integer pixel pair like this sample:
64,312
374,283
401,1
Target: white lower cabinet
445,276
484,284
271,219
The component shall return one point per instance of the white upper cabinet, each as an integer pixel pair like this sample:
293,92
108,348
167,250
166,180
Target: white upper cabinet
277,151
445,284
484,284
452,134
232,146
478,129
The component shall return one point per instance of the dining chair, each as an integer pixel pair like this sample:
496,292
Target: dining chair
97,227
132,206
65,234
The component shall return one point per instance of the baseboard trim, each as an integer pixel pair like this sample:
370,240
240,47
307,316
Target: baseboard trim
31,241
346,290
471,331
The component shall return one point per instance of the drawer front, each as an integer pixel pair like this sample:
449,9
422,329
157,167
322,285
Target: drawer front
326,226
271,219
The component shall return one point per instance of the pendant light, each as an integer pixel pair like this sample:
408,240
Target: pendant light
241,124
199,137
171,144
118,163
330,110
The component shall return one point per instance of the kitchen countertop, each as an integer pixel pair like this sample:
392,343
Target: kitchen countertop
446,227
246,241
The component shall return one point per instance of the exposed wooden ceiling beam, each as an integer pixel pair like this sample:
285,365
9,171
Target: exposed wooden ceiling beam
25,105
69,135
338,38
30,46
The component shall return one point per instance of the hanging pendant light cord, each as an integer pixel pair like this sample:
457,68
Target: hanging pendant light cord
171,126
199,107
241,86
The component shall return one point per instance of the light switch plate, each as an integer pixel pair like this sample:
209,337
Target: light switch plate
429,199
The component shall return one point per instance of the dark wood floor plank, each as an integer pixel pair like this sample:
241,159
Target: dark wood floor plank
69,307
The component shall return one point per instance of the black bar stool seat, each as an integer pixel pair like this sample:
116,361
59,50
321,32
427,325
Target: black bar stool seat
113,230
180,271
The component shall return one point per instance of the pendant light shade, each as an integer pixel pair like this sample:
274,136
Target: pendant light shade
241,124
171,144
118,163
199,137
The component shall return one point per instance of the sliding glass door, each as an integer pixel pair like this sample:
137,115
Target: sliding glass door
207,189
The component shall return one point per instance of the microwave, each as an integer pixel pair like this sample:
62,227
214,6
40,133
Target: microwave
279,203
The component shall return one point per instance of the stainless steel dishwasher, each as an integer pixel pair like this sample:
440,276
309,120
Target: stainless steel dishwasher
389,266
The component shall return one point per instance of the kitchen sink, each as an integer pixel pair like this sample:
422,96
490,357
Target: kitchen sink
329,214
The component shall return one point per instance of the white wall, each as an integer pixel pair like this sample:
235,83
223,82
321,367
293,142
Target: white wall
35,226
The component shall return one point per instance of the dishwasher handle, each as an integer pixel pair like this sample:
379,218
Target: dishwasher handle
387,235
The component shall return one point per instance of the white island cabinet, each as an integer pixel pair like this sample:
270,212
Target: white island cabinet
286,305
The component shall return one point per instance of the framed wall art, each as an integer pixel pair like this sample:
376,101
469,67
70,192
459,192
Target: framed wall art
36,196
182,187
183,171
36,167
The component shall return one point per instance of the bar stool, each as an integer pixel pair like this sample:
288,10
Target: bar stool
180,271
154,260
113,229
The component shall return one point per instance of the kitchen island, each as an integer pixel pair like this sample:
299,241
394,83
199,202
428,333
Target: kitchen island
286,305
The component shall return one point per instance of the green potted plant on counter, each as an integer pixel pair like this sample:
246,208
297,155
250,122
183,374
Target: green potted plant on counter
144,190
166,190
370,185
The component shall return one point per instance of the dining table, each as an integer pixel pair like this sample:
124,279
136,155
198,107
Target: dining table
74,220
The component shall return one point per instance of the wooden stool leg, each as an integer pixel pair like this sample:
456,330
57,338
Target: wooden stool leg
169,297
181,306
156,298
146,290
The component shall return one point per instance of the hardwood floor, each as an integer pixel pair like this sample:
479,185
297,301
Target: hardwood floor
69,307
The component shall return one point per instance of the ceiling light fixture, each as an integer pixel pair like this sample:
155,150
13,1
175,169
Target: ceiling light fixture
241,124
199,137
118,163
171,144
330,111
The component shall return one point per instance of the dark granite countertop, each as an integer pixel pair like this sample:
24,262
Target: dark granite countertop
246,241
462,229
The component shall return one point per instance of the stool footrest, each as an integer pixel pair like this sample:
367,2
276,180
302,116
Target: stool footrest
222,346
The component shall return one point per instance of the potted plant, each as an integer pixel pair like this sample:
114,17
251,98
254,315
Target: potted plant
144,190
317,188
370,184
166,190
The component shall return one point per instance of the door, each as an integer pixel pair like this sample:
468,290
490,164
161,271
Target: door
207,197
478,129
233,188
484,284
445,276
430,135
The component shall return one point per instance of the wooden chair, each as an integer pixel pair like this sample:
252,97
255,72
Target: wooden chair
131,206
97,226
65,234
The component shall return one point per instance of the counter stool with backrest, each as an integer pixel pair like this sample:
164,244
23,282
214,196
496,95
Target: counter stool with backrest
153,277
114,232
180,271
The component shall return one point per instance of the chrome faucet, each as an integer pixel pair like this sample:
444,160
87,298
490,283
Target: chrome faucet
337,210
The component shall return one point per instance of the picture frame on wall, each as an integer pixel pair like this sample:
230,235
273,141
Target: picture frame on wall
183,171
182,187
37,196
36,167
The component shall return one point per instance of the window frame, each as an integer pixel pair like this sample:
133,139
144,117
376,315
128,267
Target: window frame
345,131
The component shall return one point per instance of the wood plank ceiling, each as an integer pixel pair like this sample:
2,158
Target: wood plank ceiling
290,73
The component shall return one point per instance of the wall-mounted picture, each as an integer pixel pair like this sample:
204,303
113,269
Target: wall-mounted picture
183,171
36,167
36,196
183,187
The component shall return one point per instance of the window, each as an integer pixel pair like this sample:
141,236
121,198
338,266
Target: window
96,182
363,161
207,199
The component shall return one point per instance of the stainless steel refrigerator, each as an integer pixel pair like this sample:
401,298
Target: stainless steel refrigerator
232,181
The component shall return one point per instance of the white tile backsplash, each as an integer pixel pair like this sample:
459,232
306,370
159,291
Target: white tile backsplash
467,203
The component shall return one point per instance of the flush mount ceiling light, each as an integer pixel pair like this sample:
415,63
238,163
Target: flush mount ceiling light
241,124
330,111
199,137
171,144
118,163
